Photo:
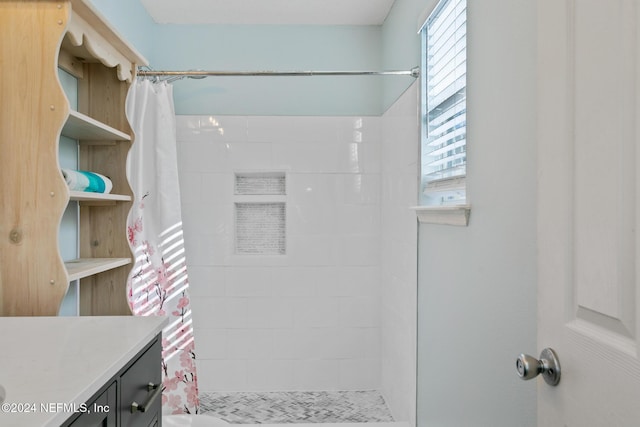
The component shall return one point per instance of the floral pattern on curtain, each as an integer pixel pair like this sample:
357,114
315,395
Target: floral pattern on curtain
158,283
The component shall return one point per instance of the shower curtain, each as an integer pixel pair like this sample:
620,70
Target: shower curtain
158,283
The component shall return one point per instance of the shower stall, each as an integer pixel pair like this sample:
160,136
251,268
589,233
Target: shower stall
301,252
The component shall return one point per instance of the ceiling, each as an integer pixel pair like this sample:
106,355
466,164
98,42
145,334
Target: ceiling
278,12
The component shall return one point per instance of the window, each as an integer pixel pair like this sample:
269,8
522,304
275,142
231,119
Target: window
444,104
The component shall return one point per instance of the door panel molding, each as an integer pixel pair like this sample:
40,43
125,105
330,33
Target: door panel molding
603,83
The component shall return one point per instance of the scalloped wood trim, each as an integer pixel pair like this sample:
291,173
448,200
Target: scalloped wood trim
80,33
445,215
91,37
100,24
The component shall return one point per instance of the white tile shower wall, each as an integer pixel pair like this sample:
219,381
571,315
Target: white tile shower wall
308,320
399,175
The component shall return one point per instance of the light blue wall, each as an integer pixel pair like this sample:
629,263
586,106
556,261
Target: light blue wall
477,284
234,47
401,45
131,20
392,46
266,47
68,234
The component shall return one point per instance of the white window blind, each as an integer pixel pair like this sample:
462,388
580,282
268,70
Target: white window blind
444,138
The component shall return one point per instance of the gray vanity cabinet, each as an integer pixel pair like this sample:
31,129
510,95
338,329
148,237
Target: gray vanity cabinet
132,398
100,413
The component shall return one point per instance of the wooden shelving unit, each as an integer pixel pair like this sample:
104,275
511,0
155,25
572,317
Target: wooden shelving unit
38,37
82,196
81,127
80,268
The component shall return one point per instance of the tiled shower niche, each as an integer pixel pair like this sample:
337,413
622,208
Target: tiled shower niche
260,228
260,222
259,183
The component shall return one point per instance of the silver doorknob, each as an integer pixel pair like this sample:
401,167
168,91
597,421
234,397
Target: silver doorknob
529,367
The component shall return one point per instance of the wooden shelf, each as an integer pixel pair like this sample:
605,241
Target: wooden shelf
79,126
85,267
83,196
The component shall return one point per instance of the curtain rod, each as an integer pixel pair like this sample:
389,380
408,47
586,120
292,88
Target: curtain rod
414,72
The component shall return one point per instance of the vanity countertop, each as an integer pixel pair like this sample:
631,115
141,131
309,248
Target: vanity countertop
50,365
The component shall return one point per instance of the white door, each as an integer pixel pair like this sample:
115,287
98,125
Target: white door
589,129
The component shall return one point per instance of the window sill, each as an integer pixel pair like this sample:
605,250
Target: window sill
445,215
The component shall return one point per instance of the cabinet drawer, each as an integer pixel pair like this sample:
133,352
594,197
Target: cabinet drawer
134,386
101,411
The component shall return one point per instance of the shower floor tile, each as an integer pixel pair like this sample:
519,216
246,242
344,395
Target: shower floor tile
296,407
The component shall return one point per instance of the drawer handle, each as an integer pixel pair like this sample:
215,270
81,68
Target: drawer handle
157,390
